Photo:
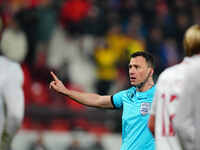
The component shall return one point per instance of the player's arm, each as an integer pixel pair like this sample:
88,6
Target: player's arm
14,100
88,99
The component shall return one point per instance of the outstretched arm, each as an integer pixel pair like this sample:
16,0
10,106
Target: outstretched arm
88,99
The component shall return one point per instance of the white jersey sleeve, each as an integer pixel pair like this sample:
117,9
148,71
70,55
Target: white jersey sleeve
14,99
2,118
155,99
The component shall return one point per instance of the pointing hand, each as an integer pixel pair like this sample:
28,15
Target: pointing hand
56,84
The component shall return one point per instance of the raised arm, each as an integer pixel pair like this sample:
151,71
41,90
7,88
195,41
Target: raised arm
88,99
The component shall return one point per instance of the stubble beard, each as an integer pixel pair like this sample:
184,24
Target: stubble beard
140,85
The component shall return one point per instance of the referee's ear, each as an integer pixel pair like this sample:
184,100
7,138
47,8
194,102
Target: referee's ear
151,71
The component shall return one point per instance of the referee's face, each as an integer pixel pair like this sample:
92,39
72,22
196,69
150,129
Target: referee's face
138,70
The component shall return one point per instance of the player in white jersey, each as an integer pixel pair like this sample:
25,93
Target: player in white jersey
187,119
168,94
11,101
168,90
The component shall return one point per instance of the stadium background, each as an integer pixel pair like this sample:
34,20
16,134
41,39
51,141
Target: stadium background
87,43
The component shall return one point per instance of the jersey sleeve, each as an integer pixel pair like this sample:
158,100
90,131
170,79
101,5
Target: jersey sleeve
156,97
154,103
14,98
117,99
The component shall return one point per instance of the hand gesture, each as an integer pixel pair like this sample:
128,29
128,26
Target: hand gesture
56,84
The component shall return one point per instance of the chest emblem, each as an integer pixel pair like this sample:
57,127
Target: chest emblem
145,108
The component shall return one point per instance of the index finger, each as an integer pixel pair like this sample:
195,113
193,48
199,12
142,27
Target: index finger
54,76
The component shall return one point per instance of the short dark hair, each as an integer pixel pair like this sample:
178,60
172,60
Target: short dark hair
148,57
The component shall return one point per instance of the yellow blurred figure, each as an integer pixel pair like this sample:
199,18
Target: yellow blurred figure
106,60
135,46
118,43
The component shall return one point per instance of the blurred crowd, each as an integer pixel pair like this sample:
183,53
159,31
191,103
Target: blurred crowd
87,43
